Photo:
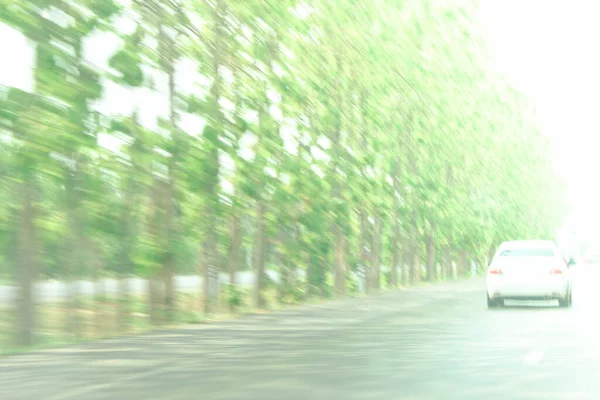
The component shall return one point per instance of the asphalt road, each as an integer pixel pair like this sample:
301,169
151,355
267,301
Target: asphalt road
436,342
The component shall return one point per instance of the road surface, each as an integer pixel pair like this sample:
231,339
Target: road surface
436,342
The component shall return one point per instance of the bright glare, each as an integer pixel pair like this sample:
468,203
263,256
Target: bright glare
549,49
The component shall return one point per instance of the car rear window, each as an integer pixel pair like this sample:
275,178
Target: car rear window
527,253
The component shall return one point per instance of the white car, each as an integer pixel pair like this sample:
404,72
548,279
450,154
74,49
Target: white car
528,270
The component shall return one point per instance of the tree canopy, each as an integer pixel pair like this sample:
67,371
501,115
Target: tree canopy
166,137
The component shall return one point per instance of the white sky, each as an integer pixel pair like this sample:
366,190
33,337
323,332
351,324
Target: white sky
549,48
19,56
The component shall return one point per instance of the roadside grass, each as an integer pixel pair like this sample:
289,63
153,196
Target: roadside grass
96,317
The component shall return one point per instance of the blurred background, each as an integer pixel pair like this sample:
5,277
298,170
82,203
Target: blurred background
179,161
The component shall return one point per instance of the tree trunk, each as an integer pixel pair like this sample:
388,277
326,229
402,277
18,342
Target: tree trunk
462,263
283,259
73,317
417,263
75,239
101,327
259,256
347,267
402,256
395,250
169,203
309,272
92,253
74,244
27,270
396,170
153,300
467,267
340,270
297,246
128,221
123,295
208,268
430,257
365,251
339,267
322,276
170,291
415,248
216,120
236,242
168,268
447,263
156,231
407,254
376,259
169,235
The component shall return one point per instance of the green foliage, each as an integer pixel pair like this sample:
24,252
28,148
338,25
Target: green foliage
322,114
235,298
127,62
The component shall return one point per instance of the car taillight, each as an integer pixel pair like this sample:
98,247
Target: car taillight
556,271
495,271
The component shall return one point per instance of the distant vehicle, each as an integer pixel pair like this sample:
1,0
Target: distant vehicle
528,270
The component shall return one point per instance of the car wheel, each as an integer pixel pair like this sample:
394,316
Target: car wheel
493,303
566,302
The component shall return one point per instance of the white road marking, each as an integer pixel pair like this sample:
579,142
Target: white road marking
533,357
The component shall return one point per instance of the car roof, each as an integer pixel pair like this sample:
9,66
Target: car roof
519,244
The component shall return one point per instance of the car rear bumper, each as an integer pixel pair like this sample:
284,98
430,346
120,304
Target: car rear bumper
551,289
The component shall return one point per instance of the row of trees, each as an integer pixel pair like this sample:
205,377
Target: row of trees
174,135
